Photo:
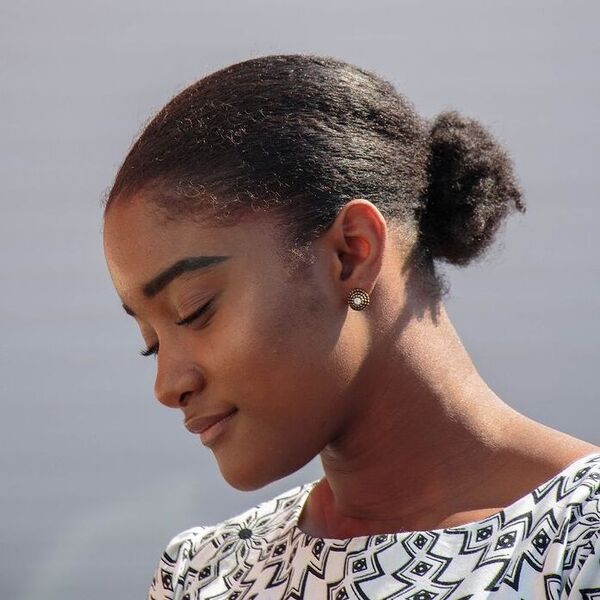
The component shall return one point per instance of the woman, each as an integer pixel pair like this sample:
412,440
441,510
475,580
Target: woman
274,232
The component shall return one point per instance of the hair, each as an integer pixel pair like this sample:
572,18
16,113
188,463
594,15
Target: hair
299,136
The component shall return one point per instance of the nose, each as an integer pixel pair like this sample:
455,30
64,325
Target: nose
177,378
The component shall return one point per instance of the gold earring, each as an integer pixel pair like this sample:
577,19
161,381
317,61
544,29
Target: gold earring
358,299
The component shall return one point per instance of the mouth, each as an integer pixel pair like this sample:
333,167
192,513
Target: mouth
201,424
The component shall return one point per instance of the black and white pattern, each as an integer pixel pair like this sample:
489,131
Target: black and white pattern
546,545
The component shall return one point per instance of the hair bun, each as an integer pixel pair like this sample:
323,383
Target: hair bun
471,189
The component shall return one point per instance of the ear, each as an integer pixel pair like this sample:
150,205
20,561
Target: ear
356,241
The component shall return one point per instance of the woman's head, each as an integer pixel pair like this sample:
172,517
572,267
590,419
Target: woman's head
299,136
300,178
279,349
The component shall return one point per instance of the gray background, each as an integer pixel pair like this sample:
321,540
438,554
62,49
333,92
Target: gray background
96,474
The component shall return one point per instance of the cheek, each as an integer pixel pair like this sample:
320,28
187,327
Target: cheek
298,367
285,373
292,335
275,350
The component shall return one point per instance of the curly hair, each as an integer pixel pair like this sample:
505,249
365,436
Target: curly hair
300,136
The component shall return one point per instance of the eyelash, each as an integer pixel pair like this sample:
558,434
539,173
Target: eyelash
153,350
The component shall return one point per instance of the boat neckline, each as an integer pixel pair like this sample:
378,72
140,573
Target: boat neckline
507,511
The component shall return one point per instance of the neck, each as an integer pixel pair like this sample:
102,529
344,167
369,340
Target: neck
421,432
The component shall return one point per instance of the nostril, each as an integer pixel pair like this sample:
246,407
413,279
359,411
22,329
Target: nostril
183,398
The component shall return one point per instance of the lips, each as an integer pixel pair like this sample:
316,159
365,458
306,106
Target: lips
200,424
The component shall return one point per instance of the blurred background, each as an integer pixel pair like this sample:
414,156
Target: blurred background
96,475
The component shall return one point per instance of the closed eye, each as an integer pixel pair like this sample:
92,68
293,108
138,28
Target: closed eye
149,351
194,315
153,350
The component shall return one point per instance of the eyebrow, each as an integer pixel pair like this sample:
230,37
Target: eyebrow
178,268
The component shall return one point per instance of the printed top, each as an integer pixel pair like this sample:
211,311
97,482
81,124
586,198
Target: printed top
545,545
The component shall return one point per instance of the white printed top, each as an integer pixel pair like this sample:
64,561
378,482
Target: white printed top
546,545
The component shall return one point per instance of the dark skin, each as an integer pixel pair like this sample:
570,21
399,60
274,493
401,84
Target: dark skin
409,434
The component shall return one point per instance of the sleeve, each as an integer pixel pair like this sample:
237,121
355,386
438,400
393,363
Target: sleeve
169,576
586,585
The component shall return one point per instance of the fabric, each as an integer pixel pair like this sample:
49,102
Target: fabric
546,545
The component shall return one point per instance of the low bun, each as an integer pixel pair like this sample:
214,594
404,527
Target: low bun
471,190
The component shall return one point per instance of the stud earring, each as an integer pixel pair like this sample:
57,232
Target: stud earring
358,299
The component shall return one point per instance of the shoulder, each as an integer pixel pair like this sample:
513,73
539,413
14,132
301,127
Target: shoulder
174,562
196,552
579,493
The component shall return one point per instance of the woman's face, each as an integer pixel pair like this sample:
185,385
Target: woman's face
272,347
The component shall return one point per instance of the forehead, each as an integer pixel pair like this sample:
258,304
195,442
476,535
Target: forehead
138,244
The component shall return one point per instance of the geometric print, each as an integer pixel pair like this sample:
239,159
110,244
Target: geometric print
546,545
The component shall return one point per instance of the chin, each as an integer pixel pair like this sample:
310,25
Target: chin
248,477
247,480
